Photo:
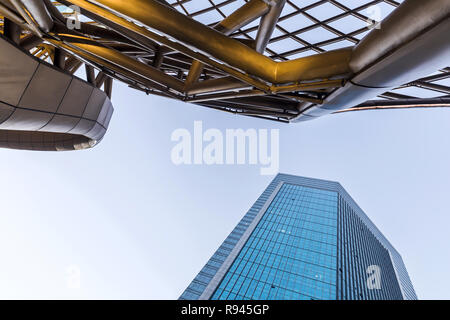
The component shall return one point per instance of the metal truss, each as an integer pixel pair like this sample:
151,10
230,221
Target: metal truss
270,59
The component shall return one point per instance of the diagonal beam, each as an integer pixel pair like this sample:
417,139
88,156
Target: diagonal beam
249,12
244,15
142,34
117,61
267,25
230,51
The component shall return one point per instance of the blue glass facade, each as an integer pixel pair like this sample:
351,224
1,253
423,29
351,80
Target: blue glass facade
303,239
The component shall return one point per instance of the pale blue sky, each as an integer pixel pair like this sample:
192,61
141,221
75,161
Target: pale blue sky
140,227
137,226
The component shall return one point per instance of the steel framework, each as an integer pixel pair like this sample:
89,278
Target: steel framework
282,60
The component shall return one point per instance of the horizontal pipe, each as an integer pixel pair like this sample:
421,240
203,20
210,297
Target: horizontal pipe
400,104
227,95
302,98
214,85
308,86
184,29
229,83
267,103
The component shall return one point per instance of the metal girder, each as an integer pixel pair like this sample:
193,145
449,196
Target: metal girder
239,18
138,32
400,104
156,49
172,23
246,14
267,25
39,12
118,61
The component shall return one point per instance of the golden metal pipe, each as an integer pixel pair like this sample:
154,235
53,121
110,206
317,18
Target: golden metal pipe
171,44
253,93
213,85
184,29
317,66
229,83
227,95
239,18
302,98
308,86
249,12
126,62
194,73
135,75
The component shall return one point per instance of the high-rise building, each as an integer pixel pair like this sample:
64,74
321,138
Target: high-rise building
303,239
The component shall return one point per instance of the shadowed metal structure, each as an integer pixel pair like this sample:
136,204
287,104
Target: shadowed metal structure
281,60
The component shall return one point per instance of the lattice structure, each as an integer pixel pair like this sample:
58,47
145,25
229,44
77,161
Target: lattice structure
127,43
309,27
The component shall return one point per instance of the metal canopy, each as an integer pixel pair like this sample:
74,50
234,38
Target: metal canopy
281,60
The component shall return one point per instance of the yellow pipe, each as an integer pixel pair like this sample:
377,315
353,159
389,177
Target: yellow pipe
242,16
184,29
239,18
171,44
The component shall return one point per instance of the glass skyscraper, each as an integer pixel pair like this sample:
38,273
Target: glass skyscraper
303,239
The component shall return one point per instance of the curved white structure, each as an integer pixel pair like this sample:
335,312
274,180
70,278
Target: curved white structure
44,108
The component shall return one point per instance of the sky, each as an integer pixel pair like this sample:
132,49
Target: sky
122,221
133,225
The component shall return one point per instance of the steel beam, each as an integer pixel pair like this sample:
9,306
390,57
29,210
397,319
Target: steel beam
122,69
40,14
184,29
124,61
133,30
246,14
249,12
214,85
400,104
267,25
